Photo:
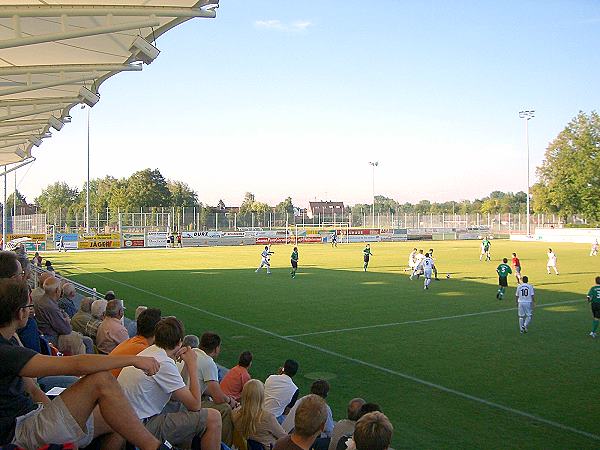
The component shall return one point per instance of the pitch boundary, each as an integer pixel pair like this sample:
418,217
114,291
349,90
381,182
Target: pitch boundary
433,319
405,376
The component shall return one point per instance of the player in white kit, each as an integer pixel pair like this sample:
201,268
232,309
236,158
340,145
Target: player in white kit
525,303
594,249
428,266
265,259
412,259
551,262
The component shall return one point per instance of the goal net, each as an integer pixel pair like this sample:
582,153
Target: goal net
321,233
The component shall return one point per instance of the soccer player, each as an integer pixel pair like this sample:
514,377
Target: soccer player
504,271
525,303
594,249
265,259
366,256
551,262
434,266
516,263
418,270
412,259
334,239
485,249
294,262
594,298
428,266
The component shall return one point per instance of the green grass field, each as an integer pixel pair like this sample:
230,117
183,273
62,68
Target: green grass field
448,365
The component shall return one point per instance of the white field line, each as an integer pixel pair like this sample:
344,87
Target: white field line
433,319
439,387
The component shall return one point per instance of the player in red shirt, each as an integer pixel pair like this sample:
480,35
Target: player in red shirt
516,263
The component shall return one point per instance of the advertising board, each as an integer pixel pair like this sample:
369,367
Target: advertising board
156,239
133,240
110,240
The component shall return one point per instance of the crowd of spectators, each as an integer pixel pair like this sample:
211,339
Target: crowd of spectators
148,384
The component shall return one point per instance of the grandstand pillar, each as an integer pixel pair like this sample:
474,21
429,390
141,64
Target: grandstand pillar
4,213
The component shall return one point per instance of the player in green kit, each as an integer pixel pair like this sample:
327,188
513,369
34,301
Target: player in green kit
485,249
294,262
594,298
366,256
504,271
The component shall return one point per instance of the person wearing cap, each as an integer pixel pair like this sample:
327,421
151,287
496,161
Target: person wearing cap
111,331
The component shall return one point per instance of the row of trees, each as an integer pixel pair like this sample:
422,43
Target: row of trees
569,183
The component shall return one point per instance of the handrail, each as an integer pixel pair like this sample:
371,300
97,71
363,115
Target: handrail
84,290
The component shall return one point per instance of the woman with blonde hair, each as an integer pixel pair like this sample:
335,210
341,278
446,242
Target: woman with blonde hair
252,421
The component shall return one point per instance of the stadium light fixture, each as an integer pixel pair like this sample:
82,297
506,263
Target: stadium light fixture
143,50
527,115
55,123
88,97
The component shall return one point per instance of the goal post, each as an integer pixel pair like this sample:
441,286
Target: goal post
323,232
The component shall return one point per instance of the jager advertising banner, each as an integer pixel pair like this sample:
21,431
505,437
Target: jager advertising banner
112,240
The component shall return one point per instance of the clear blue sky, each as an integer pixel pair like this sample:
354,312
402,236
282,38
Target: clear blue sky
295,98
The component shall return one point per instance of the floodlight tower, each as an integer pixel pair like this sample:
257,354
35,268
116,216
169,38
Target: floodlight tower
527,115
374,164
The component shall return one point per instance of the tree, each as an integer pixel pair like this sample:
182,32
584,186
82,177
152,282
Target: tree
182,194
246,206
570,172
55,196
285,206
147,188
21,201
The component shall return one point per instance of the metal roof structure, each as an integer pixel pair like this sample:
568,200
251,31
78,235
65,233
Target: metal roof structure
55,55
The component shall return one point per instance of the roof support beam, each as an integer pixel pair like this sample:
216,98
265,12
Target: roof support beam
34,87
69,68
22,130
101,10
31,112
17,123
12,144
52,37
40,101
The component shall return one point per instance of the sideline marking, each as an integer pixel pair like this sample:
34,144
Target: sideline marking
433,319
363,363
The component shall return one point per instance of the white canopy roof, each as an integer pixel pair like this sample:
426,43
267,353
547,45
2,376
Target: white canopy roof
56,54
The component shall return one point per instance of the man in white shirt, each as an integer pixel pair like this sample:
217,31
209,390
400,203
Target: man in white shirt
207,374
418,270
428,267
412,259
280,391
525,303
265,259
551,262
149,395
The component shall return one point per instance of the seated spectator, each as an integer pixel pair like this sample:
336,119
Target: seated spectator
37,260
111,331
49,267
38,291
150,394
81,318
146,323
250,419
234,381
346,440
373,431
54,323
280,391
320,388
208,377
29,419
70,300
98,308
345,427
110,295
311,416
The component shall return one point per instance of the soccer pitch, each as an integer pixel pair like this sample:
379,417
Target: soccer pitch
448,366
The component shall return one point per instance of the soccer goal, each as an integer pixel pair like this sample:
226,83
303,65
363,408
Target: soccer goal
321,233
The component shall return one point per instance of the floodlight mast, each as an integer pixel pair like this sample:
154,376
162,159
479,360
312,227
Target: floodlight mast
374,164
527,115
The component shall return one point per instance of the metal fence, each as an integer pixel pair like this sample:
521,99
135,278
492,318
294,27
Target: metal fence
203,219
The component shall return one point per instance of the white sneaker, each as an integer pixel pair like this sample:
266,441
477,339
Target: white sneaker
524,329
521,330
593,335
